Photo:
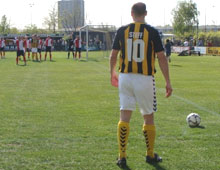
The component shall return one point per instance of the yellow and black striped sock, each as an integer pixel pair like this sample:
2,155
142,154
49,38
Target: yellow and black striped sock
123,133
149,134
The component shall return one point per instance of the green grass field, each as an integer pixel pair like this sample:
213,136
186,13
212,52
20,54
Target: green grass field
64,115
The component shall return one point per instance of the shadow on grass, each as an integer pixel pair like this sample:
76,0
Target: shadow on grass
93,59
83,60
23,65
52,61
126,168
175,65
157,166
200,127
34,61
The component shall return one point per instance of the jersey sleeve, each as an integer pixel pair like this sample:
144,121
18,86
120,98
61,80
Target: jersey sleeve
116,43
158,46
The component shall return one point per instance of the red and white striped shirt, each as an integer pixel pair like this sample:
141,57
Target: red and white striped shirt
27,43
2,43
40,42
49,42
77,43
19,44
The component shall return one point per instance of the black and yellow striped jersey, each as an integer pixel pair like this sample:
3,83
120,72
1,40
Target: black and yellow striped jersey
138,43
34,43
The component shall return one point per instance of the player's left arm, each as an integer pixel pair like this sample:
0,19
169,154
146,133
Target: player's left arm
165,71
162,61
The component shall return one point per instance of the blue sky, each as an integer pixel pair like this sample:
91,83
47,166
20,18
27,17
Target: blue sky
115,12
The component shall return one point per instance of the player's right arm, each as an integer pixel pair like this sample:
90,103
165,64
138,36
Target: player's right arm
113,62
113,59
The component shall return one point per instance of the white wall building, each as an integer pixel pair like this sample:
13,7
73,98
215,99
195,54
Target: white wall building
71,14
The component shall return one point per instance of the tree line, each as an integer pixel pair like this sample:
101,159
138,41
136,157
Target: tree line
6,28
69,23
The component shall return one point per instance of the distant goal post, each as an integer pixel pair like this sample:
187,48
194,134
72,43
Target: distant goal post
86,27
106,33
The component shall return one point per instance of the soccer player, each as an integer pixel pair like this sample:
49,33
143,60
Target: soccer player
71,46
34,45
137,44
168,50
48,44
39,47
27,46
20,48
2,48
78,45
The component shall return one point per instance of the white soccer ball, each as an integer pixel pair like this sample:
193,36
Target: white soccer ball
193,119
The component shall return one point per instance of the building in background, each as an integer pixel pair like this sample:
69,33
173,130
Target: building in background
71,14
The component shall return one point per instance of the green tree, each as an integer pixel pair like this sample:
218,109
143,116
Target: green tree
213,37
33,29
14,30
51,22
185,18
4,25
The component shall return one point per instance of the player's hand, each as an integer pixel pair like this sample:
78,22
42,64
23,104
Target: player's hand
169,90
114,79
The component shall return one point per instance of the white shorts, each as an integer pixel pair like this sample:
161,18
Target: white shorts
137,88
34,50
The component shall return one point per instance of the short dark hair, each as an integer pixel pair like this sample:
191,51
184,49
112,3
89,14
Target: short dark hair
139,9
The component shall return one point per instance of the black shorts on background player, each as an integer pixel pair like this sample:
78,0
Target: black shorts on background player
71,49
20,53
48,49
71,44
78,49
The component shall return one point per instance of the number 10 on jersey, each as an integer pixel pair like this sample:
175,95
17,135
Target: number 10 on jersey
138,50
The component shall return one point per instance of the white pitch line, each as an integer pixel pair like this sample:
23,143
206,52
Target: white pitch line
181,98
193,104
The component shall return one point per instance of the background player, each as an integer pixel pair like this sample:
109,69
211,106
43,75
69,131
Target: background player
34,45
39,47
168,50
138,43
71,46
20,48
78,45
27,46
2,48
48,44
